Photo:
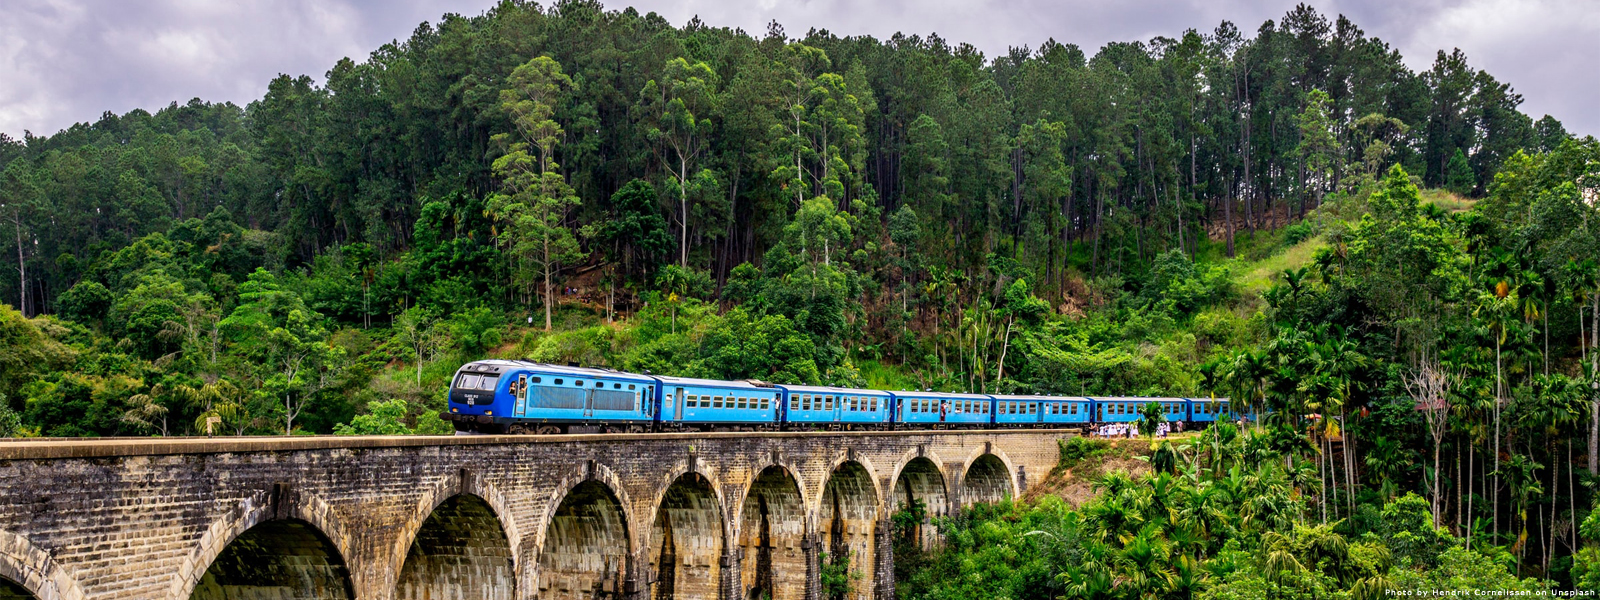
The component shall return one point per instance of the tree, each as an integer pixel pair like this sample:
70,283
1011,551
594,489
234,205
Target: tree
535,198
1430,387
419,328
1318,149
19,200
1459,177
1151,416
678,113
384,418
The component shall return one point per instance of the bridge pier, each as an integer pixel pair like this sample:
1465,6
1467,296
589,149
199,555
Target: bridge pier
635,517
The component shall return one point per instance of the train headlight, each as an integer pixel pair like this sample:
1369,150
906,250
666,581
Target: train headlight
488,412
455,410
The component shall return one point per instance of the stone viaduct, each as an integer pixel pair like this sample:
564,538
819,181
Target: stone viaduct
717,516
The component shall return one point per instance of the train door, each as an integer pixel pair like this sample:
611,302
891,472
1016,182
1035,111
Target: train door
521,399
677,404
588,401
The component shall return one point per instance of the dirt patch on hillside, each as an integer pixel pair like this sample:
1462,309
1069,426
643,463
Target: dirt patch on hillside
1084,460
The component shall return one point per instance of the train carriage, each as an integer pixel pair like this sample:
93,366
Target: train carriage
1042,411
1210,410
506,396
939,409
1017,411
688,403
1122,409
822,407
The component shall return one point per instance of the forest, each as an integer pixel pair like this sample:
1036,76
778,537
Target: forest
1398,269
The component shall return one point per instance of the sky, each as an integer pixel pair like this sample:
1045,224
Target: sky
67,61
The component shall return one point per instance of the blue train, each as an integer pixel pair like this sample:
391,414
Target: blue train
511,396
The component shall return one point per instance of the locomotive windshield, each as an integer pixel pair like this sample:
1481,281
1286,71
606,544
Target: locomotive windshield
474,381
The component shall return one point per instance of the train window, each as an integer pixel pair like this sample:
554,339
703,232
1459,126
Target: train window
536,380
744,403
807,402
615,386
577,382
794,403
1074,409
716,402
630,387
764,403
558,382
1033,408
872,405
829,403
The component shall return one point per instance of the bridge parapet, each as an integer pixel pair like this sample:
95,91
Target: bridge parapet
714,516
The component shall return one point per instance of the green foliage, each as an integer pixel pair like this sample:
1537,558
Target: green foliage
1077,449
1459,177
385,418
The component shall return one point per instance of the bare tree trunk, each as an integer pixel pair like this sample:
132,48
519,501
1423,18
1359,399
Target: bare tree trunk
548,299
1495,483
22,269
1594,367
1350,460
1472,455
683,203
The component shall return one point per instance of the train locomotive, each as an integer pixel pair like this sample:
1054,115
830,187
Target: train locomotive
513,396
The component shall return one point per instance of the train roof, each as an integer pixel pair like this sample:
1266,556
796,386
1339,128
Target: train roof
1040,398
952,395
825,389
738,385
503,365
1135,399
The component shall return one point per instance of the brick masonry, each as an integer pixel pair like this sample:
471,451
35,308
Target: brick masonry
507,518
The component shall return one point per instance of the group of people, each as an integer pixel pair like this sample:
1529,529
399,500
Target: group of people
1131,430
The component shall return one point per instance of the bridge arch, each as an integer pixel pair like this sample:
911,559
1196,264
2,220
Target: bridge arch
33,571
461,483
686,536
920,477
988,475
277,522
850,510
774,534
584,543
460,547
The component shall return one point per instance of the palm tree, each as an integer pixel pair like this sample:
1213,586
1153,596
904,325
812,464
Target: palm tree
1151,416
1497,310
1522,477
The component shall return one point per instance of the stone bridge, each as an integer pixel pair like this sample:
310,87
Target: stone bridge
655,516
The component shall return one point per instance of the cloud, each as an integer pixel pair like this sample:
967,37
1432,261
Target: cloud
65,61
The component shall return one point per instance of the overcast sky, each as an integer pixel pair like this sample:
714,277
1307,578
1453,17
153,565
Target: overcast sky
65,61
